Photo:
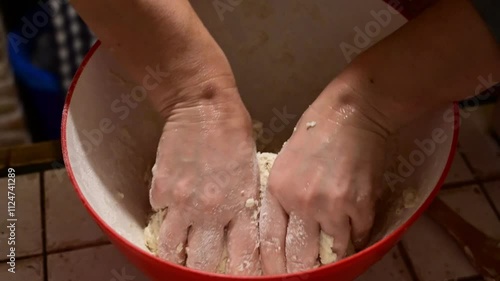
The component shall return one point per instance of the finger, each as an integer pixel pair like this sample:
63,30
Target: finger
302,244
362,222
172,238
205,247
243,245
273,224
158,194
338,228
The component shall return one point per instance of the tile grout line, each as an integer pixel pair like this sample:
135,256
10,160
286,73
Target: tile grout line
407,261
66,250
455,185
27,257
471,278
490,201
44,232
82,247
480,183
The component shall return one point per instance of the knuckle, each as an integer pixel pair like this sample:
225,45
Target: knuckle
340,196
157,194
344,196
269,243
181,194
211,196
308,198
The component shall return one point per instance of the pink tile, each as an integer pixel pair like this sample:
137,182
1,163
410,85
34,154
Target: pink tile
390,268
476,142
470,203
493,189
427,239
96,263
68,224
459,171
25,270
28,227
434,254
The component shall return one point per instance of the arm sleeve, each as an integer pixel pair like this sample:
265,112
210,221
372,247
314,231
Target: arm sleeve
490,12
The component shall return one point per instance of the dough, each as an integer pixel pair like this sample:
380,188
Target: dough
266,161
152,231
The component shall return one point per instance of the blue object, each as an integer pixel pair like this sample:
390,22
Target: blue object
40,91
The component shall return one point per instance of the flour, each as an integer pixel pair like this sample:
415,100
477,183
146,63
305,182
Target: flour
326,253
410,198
265,161
151,232
251,203
310,125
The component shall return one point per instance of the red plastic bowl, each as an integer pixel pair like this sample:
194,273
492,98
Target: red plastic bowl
283,54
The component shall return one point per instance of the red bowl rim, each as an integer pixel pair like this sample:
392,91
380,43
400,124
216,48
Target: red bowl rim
147,255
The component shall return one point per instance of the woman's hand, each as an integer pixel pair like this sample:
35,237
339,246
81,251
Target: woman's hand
206,165
205,172
327,177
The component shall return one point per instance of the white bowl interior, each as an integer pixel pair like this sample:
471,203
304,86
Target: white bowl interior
283,52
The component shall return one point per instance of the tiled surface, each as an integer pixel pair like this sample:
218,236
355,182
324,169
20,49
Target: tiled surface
28,227
25,270
472,205
493,191
459,172
434,255
96,263
437,257
391,267
480,148
68,224
75,248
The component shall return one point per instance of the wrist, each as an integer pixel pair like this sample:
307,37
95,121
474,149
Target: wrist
341,104
211,105
389,101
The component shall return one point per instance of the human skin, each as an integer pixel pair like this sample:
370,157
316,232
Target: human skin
329,177
331,183
207,132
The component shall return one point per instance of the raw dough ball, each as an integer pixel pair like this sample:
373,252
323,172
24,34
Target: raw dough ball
266,161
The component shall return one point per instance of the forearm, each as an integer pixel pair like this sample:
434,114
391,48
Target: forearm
157,34
433,60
